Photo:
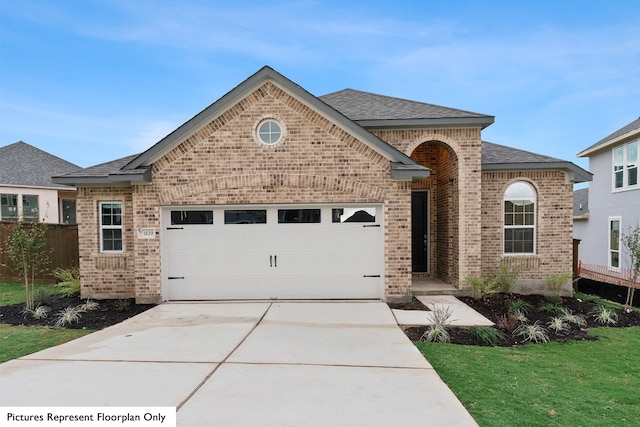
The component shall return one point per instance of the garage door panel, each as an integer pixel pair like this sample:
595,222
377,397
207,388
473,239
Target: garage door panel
221,287
273,260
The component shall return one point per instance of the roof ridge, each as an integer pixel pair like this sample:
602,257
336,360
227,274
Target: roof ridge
405,100
523,151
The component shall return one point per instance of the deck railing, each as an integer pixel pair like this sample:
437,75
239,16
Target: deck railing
602,273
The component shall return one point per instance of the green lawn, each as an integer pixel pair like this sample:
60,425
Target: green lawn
18,341
13,293
580,383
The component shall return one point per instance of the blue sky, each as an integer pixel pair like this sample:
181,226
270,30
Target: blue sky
92,81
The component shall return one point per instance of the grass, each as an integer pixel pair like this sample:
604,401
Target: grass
18,341
13,293
579,383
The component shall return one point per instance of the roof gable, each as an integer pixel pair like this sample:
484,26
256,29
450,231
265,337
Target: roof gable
266,74
24,165
632,130
373,110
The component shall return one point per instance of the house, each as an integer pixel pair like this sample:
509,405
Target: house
27,191
274,193
611,204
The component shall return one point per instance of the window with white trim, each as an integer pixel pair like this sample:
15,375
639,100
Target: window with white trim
520,219
269,132
625,166
110,226
614,242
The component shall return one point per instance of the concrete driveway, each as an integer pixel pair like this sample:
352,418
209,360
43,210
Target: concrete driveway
245,364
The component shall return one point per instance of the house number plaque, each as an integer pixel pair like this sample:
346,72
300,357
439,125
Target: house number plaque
146,233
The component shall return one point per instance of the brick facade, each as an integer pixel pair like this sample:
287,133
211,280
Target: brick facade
105,275
318,161
223,164
454,156
554,224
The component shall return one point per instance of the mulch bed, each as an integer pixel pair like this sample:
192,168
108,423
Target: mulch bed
494,306
109,312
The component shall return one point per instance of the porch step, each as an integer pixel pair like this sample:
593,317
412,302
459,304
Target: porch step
428,286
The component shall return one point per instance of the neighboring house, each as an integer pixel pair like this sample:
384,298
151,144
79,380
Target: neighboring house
612,199
27,191
273,193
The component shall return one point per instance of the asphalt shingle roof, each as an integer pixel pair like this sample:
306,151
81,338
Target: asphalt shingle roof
103,169
634,125
361,106
498,154
22,164
580,202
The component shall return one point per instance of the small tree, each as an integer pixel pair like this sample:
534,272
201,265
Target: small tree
631,242
27,252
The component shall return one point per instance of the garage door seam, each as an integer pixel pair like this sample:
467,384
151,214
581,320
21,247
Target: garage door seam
204,381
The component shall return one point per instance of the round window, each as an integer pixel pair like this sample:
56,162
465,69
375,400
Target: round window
269,132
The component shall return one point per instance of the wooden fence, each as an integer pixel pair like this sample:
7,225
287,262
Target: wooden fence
62,243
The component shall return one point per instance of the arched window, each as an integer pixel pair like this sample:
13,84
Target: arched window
520,218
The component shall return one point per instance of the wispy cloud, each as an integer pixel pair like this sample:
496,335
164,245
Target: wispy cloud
103,135
147,133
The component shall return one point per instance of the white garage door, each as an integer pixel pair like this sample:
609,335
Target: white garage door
279,252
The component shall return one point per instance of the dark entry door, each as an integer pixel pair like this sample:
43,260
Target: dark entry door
420,231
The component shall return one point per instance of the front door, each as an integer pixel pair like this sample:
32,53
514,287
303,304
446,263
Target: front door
420,231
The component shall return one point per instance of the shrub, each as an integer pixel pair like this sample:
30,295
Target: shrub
518,306
550,308
40,312
574,319
505,278
408,296
122,305
558,325
554,299
437,331
604,315
520,316
556,280
88,305
480,287
532,333
488,335
507,322
40,295
68,316
69,280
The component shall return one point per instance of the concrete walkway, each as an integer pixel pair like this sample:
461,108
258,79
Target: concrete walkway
245,364
461,314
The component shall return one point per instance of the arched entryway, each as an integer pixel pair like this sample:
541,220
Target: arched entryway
435,213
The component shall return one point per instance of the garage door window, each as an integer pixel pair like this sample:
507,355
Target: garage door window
111,227
247,216
358,214
298,216
191,217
